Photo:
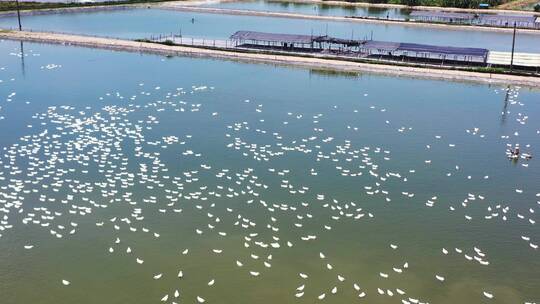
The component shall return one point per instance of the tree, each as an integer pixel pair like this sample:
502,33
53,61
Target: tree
537,7
411,2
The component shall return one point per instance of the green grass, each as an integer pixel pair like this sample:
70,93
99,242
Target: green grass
12,5
168,42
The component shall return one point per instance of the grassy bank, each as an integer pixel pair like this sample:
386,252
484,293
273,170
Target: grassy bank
12,5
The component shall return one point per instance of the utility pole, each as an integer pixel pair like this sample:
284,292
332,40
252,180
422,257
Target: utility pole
513,46
19,14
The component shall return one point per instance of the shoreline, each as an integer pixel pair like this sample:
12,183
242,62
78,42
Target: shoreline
237,12
288,60
402,6
76,9
336,3
196,6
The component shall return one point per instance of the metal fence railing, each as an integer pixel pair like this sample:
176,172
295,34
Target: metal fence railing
235,48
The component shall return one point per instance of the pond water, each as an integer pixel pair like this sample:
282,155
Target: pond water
319,9
259,183
142,23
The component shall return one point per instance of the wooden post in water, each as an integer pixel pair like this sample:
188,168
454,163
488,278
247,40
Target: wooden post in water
18,14
513,46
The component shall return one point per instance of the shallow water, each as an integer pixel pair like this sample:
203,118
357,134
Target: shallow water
103,114
143,23
314,9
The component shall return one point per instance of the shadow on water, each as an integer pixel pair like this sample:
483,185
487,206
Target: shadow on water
334,73
329,7
22,59
505,106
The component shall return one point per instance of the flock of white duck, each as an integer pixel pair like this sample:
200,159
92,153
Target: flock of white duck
76,161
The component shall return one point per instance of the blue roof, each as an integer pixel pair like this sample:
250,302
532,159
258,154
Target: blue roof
424,48
448,50
439,14
370,44
507,18
260,36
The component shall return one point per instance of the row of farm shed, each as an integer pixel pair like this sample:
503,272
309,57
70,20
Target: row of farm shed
374,48
497,20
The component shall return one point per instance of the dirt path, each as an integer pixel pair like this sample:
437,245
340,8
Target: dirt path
288,60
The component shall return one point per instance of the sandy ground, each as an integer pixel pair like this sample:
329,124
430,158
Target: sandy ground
133,46
181,6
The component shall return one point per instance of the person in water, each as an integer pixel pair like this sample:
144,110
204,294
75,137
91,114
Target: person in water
514,153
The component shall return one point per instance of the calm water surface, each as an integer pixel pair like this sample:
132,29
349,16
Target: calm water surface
142,23
111,159
314,9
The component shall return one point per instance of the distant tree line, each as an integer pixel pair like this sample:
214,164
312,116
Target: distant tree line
11,5
441,3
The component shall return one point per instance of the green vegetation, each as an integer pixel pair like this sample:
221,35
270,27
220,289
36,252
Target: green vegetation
144,40
537,8
12,5
440,3
333,73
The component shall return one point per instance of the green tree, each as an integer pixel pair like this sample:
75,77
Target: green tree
411,2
